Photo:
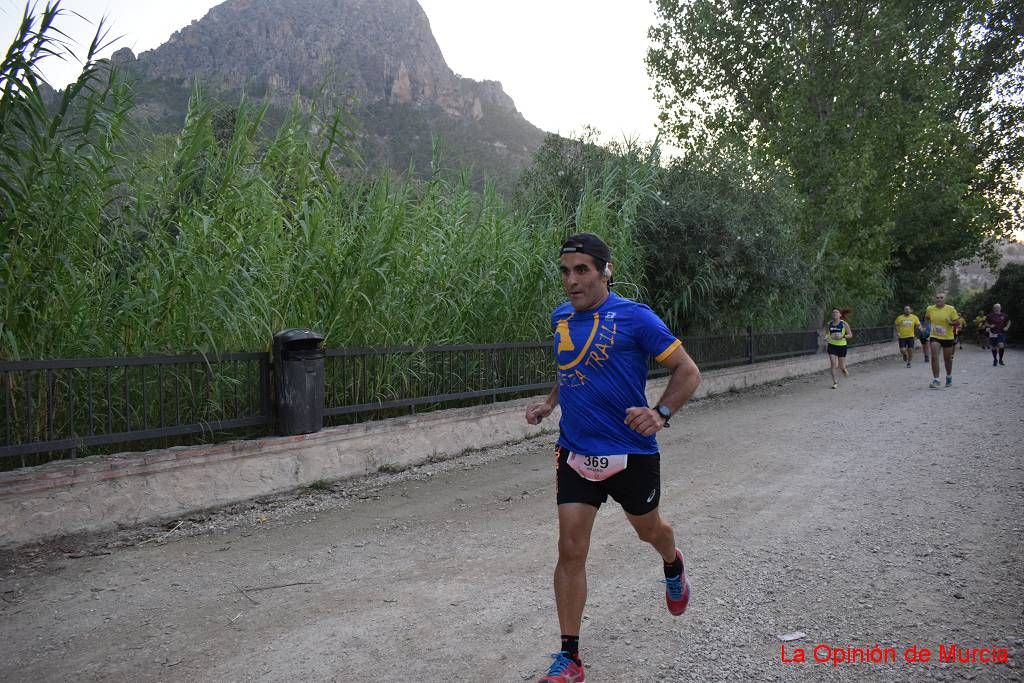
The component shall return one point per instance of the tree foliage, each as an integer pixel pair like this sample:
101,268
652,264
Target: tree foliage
900,122
721,249
718,243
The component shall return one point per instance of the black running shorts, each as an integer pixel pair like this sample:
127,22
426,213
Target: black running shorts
836,350
907,343
945,343
637,488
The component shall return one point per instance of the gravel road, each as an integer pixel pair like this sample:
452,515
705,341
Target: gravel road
882,513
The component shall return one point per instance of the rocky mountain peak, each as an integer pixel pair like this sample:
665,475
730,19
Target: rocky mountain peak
373,50
379,57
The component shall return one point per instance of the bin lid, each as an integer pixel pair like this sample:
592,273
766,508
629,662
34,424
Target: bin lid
297,334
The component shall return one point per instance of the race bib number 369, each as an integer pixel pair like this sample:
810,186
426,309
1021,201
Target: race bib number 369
597,467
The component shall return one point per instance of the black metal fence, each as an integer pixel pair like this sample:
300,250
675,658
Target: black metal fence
54,409
367,380
871,335
58,409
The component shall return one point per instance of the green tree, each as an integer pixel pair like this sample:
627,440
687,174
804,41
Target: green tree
721,249
900,122
1008,291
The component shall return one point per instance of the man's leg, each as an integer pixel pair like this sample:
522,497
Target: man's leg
575,522
653,529
936,351
1002,348
947,357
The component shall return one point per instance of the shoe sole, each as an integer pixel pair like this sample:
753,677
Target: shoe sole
576,680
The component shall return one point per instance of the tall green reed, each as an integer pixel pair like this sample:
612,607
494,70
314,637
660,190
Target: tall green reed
217,241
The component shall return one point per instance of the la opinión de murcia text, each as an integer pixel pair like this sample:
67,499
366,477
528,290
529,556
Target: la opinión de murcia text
843,655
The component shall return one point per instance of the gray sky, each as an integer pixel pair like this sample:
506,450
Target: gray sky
566,63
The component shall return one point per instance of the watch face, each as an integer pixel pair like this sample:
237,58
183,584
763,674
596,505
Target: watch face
664,412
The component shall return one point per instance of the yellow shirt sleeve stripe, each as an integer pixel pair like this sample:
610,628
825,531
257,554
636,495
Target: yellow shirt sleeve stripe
669,351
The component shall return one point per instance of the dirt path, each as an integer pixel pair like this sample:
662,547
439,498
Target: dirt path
880,513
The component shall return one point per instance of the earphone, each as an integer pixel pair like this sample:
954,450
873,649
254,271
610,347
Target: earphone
607,271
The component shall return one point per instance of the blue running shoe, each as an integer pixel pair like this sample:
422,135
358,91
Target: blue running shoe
564,670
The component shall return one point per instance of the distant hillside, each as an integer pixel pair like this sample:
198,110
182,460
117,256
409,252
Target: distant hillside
378,57
977,274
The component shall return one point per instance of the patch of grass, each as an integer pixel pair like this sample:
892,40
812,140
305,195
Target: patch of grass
320,485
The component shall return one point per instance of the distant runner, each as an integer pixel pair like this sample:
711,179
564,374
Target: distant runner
606,443
908,326
837,332
998,324
981,327
944,320
958,330
925,337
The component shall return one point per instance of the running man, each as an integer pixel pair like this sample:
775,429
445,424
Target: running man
908,326
981,327
606,445
837,332
998,324
925,337
944,320
958,330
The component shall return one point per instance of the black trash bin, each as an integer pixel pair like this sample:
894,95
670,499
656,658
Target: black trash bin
299,381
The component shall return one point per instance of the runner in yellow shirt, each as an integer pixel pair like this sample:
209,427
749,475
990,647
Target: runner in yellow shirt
907,327
944,321
980,329
957,332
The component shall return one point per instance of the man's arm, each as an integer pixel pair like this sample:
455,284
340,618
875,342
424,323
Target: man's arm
682,384
535,412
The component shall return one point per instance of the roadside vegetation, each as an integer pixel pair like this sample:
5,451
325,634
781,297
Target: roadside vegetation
116,241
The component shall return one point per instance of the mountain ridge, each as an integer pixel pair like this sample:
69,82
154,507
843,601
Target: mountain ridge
377,57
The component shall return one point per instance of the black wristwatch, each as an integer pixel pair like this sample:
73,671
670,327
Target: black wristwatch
665,413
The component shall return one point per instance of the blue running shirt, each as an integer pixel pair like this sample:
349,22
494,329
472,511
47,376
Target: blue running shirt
602,357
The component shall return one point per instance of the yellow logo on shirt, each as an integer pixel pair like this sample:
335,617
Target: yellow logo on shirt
563,335
564,338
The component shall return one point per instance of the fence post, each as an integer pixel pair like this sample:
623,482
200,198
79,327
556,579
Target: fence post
750,344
